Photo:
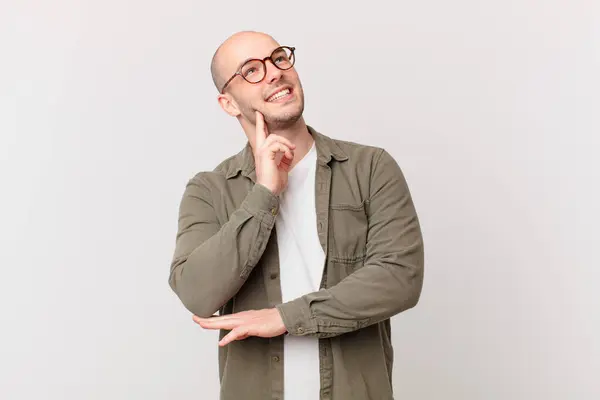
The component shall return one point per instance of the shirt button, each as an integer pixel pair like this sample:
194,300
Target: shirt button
276,358
273,275
273,211
301,330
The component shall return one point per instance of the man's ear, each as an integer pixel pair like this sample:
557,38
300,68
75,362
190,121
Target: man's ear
228,105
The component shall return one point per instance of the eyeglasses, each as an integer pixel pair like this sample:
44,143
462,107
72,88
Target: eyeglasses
255,70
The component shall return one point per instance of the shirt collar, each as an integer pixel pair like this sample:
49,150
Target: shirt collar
327,149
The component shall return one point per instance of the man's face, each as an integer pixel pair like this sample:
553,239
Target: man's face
279,111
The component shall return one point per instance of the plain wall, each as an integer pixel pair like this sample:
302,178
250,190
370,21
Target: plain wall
491,109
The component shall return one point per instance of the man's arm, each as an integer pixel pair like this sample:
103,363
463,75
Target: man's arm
392,276
212,262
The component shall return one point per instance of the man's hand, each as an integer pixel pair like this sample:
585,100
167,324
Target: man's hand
264,323
273,156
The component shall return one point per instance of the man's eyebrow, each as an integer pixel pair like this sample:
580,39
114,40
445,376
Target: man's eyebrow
252,58
243,62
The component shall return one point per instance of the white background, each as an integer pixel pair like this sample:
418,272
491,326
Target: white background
491,109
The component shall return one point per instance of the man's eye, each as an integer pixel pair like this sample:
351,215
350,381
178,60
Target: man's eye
249,71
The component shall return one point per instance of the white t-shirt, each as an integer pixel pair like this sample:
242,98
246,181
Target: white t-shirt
301,262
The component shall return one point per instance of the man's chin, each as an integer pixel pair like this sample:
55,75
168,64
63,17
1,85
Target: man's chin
283,119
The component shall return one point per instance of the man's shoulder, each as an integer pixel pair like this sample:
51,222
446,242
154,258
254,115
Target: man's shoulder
356,147
359,152
223,170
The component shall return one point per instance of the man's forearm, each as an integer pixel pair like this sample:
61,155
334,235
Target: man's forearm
374,293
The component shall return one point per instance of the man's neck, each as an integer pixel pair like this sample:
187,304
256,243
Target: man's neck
299,135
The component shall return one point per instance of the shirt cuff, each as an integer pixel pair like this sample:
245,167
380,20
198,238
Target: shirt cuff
296,317
262,204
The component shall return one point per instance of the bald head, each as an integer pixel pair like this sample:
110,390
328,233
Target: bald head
243,99
231,52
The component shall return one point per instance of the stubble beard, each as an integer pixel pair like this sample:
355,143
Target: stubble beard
286,119
283,119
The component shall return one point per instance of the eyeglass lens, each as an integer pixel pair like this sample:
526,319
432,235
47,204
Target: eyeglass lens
254,70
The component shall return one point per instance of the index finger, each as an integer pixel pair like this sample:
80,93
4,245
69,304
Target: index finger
221,324
261,132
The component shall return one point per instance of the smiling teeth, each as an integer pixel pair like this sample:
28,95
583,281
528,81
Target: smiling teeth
279,95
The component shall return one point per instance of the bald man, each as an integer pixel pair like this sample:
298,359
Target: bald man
304,245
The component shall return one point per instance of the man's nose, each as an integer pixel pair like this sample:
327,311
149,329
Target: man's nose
273,73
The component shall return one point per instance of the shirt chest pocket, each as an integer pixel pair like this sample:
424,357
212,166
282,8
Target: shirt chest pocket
347,232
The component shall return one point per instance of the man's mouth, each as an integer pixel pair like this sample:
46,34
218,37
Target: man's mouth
279,95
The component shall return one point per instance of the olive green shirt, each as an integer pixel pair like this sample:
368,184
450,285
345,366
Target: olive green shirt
226,260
